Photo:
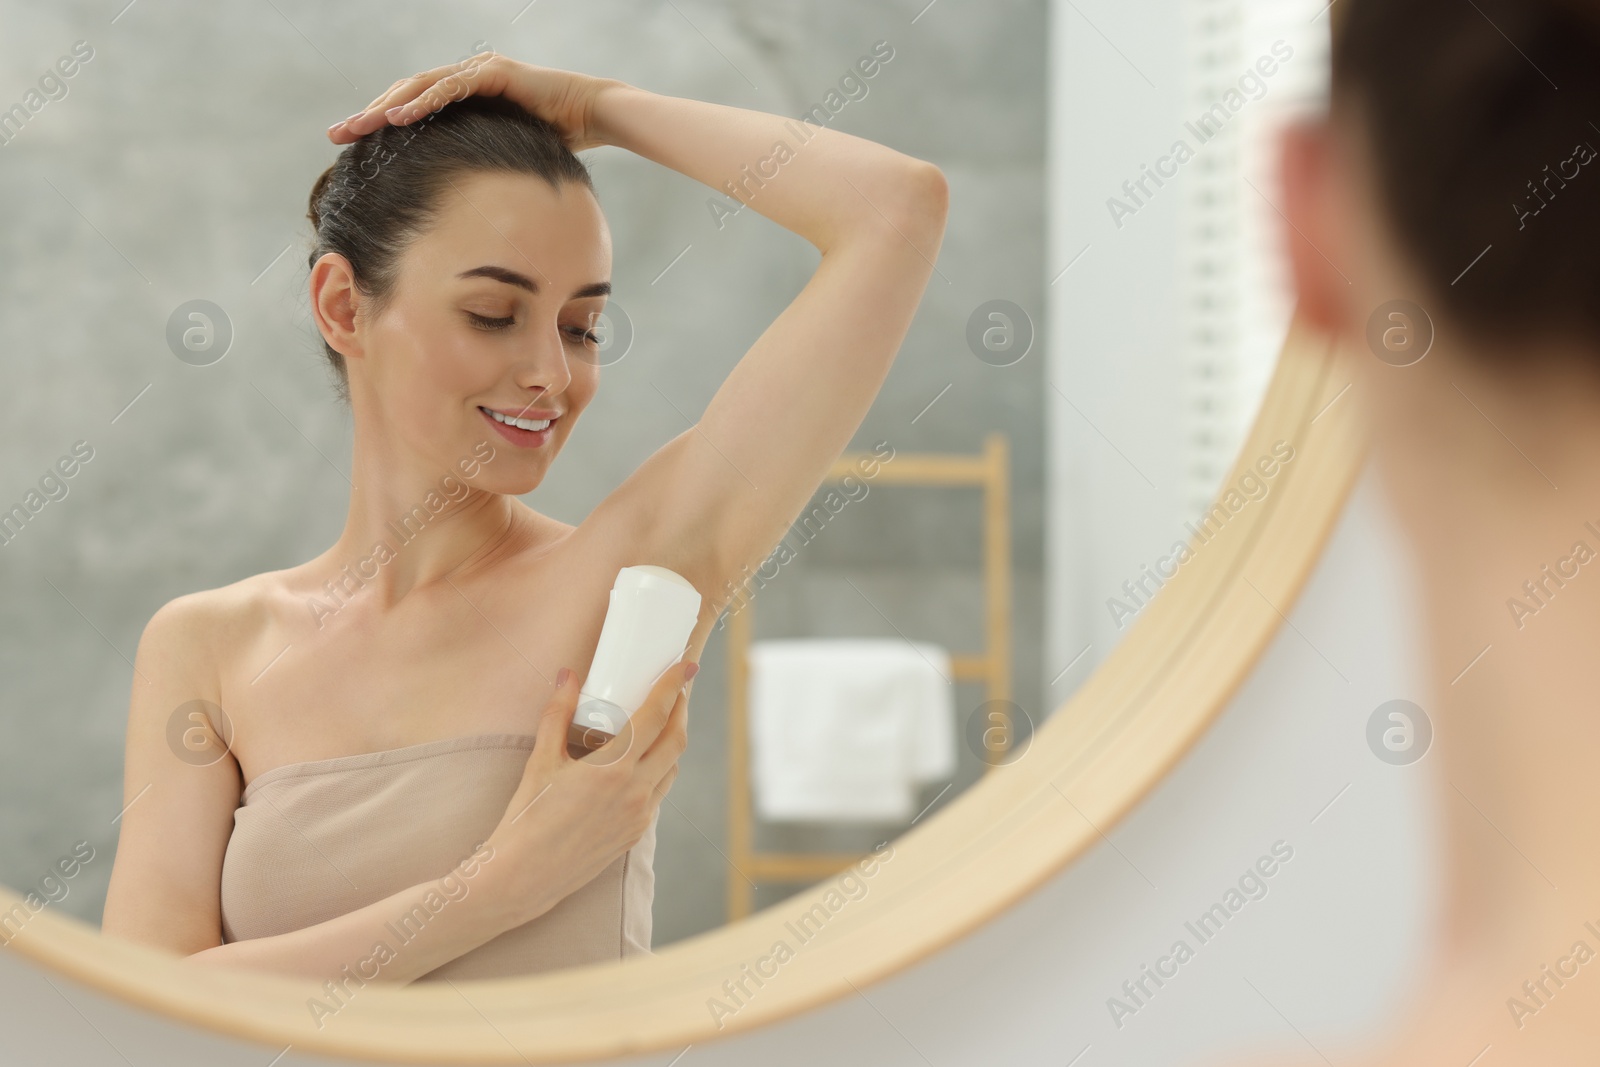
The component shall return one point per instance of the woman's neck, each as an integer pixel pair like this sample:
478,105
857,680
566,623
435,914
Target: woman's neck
419,526
1495,477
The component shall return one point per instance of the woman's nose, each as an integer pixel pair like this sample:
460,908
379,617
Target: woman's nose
545,364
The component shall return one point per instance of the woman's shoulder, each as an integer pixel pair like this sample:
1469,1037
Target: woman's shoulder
185,644
215,620
233,603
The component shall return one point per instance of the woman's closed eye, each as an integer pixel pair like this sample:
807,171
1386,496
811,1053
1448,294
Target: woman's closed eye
486,322
579,334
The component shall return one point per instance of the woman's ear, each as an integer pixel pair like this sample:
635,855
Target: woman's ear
334,299
1316,245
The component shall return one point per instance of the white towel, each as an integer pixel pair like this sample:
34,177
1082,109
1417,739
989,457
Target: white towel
843,729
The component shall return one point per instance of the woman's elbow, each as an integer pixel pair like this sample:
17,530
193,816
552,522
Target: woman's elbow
927,200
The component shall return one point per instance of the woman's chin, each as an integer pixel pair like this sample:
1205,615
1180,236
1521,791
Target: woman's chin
518,484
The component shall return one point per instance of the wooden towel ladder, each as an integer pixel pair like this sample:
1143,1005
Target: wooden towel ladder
987,470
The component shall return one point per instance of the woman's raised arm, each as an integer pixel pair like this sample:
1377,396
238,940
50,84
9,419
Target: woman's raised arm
718,497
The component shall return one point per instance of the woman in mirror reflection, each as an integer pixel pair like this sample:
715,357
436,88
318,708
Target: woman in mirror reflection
354,769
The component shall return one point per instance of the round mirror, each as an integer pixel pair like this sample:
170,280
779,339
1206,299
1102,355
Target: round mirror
994,564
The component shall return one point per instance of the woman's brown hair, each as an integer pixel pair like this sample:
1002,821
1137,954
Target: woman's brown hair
1482,119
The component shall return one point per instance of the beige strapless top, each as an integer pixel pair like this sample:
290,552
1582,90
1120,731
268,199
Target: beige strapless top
315,840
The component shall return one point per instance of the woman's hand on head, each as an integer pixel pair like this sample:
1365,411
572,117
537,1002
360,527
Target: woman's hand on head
570,818
561,97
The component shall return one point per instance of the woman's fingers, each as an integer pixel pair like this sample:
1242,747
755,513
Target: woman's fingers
371,117
563,98
420,94
656,714
440,86
551,735
639,733
662,755
666,783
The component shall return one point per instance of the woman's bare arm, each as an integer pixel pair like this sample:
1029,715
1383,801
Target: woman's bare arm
475,911
178,801
718,497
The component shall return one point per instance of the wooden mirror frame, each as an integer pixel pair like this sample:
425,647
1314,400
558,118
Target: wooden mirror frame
1088,764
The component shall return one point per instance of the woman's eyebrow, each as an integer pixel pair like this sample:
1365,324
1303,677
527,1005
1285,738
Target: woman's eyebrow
522,281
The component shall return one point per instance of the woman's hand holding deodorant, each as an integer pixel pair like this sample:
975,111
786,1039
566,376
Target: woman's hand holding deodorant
570,818
606,752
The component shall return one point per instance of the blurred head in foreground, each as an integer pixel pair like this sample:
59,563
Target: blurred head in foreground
1445,229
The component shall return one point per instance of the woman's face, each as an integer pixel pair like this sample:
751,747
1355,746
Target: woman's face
495,309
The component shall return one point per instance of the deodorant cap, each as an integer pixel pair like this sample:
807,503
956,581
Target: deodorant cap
647,575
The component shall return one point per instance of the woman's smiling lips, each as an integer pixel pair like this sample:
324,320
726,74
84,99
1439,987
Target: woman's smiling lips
519,435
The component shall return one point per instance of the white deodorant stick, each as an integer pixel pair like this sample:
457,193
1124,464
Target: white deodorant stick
652,612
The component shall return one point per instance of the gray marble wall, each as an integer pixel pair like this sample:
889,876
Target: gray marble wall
174,164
